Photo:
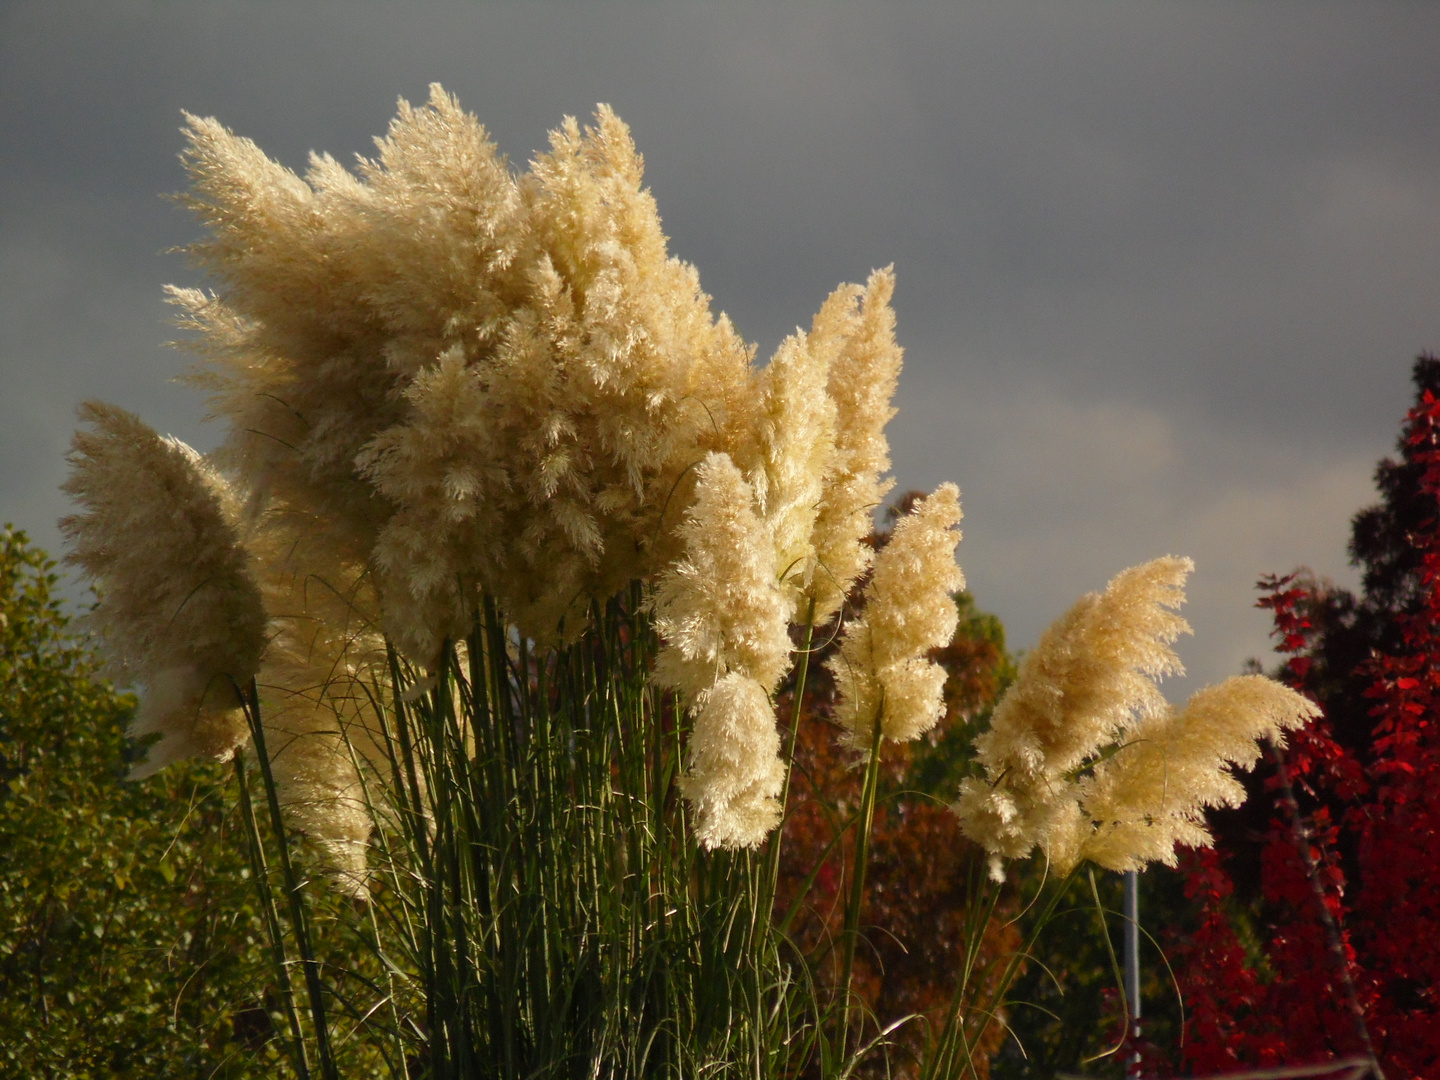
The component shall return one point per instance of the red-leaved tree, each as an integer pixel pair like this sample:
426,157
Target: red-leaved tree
1319,912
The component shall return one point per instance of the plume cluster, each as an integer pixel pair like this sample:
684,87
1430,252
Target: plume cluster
445,379
1085,759
448,381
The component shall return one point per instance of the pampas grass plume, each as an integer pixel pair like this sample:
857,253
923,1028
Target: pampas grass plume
882,671
858,325
1091,672
724,624
1086,760
1152,794
179,610
736,774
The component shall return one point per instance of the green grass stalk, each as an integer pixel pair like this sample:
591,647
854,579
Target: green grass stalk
864,826
260,871
299,918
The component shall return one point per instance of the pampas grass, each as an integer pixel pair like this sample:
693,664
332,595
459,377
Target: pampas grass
497,574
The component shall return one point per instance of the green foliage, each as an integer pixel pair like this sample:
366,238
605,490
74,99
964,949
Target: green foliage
128,944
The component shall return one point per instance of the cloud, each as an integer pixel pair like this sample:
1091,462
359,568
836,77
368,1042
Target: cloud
1061,493
1161,269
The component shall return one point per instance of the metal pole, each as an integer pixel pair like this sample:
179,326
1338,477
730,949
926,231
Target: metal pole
1132,970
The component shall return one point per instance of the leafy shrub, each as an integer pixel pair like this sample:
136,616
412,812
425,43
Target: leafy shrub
128,943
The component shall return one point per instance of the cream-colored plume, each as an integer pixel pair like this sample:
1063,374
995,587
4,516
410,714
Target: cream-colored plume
720,609
1090,675
314,708
736,773
724,624
470,379
539,466
858,327
1086,702
318,680
435,469
882,672
179,611
445,379
335,289
1152,793
795,443
615,381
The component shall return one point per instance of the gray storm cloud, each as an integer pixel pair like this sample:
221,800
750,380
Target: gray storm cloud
1162,270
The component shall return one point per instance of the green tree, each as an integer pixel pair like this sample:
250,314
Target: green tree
128,941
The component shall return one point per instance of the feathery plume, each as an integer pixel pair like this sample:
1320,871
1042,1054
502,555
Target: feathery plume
325,661
723,620
795,443
859,326
336,290
291,360
353,306
607,381
1152,793
719,608
434,469
317,741
882,672
736,774
616,381
179,610
1085,702
1091,672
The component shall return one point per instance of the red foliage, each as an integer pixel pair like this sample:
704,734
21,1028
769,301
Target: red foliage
1371,809
1399,828
1227,1027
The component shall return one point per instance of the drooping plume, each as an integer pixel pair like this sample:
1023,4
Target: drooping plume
317,745
179,611
723,619
1086,760
882,672
1152,793
315,706
325,666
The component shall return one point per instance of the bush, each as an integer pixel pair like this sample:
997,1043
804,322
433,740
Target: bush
128,942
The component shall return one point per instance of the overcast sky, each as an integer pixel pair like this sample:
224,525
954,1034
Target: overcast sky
1162,267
